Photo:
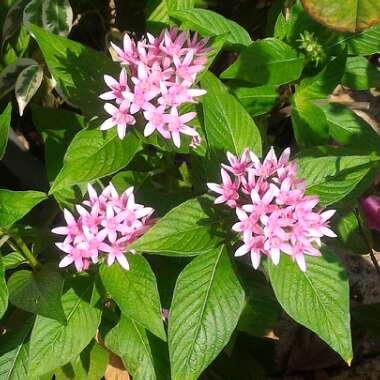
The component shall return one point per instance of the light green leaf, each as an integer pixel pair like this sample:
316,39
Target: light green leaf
95,154
268,61
256,100
14,352
209,23
349,129
9,75
13,260
317,299
345,16
27,84
3,290
206,307
135,292
175,5
38,292
77,69
57,16
186,230
334,173
33,13
228,125
360,74
130,341
5,123
16,204
366,42
53,344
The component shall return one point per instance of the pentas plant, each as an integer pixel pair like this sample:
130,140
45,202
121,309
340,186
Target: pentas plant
273,211
106,225
157,77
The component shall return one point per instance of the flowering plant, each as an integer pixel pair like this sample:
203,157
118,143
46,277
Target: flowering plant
195,197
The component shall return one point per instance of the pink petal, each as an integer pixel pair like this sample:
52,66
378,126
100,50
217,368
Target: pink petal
255,259
67,260
60,230
241,251
300,260
107,124
123,261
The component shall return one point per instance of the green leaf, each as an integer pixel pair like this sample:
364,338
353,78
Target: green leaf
27,84
228,125
360,74
95,154
366,42
131,342
135,292
14,352
334,173
33,13
309,123
174,5
345,16
13,20
209,23
3,290
77,69
53,344
186,230
206,307
13,260
5,123
58,128
346,226
57,16
349,129
256,100
38,292
317,299
16,204
92,363
9,75
268,61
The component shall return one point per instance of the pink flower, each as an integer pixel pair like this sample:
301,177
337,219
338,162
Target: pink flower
238,166
163,73
120,117
176,125
370,207
107,224
273,211
228,190
117,87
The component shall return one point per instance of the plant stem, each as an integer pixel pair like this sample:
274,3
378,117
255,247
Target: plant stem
27,252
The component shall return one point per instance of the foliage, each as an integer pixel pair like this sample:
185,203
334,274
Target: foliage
176,303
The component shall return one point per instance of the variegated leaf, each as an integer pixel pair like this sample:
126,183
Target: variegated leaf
33,13
57,16
12,20
27,85
9,75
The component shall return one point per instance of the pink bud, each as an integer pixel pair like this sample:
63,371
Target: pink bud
371,211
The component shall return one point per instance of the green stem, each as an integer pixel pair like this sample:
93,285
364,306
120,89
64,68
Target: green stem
27,252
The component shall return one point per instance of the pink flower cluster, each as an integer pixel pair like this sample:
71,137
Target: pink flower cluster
162,72
107,223
273,211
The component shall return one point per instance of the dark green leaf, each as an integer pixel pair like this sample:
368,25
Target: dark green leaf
33,13
206,307
13,260
38,292
186,230
16,204
3,290
77,69
53,344
5,123
265,62
131,342
317,299
135,292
